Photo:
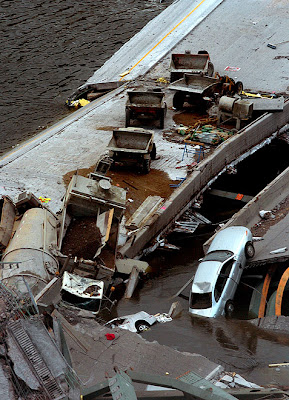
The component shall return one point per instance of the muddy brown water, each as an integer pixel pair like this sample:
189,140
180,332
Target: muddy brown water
48,50
235,344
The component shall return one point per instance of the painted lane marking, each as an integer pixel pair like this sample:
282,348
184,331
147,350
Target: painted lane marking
160,41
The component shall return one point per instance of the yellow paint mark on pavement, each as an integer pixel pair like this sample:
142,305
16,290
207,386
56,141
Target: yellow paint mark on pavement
160,41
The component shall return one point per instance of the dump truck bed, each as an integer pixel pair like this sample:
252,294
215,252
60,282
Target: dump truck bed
194,83
130,141
145,99
190,63
185,61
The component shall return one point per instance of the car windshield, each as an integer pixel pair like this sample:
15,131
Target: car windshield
201,300
218,255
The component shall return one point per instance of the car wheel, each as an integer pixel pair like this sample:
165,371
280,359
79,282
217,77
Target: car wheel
141,326
229,308
249,250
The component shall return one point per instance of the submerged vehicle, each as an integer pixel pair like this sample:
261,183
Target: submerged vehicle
82,292
219,272
138,322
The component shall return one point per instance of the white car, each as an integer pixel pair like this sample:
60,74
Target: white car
138,322
219,273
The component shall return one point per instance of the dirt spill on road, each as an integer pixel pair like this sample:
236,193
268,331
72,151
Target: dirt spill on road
138,186
81,171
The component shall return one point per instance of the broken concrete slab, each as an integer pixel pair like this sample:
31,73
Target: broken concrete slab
276,323
6,388
50,294
175,309
144,212
132,283
125,265
127,350
267,104
22,368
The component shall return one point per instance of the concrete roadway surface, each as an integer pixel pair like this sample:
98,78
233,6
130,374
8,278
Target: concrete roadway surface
154,41
233,35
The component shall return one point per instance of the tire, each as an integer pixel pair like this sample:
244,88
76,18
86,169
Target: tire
141,326
210,68
127,118
146,166
238,87
229,309
178,100
154,152
249,250
162,121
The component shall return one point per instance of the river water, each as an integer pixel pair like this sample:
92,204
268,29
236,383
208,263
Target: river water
234,343
50,48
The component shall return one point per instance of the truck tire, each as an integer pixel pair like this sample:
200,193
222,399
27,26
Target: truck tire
162,121
238,88
178,100
210,68
146,165
127,118
154,152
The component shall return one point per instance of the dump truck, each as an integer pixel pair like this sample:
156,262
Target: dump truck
197,89
190,63
132,146
145,105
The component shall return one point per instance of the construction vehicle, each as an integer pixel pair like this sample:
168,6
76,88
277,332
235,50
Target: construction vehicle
197,89
190,63
132,146
148,105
